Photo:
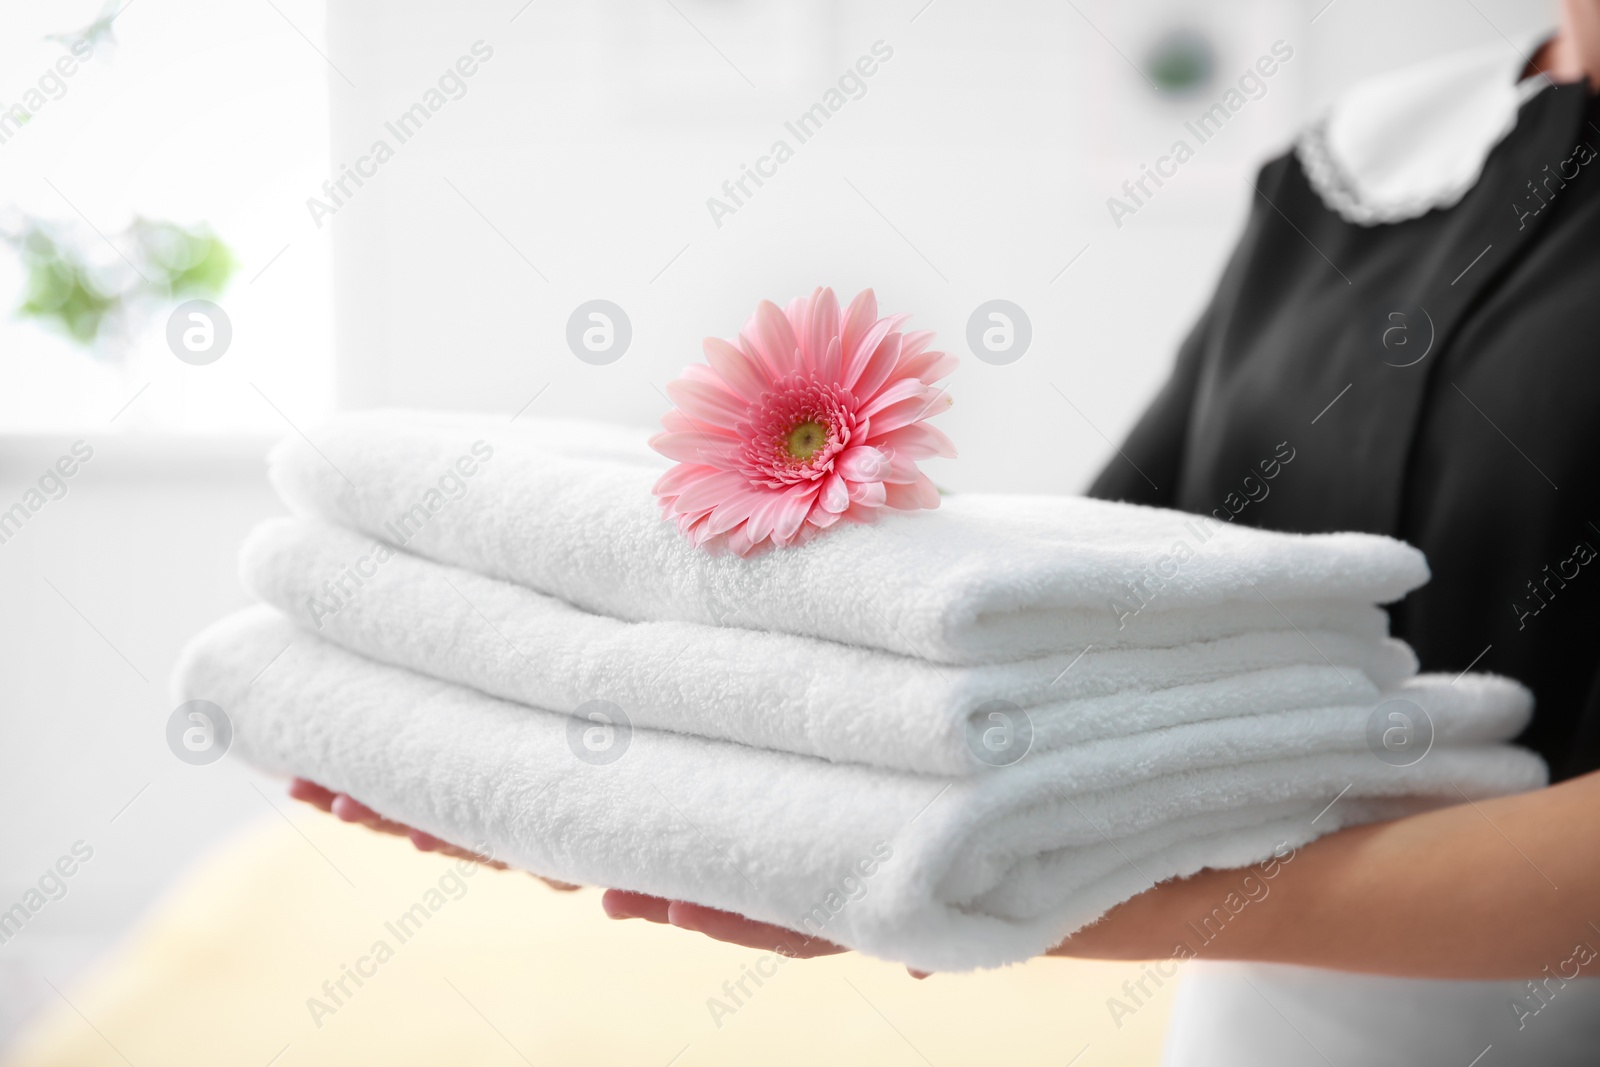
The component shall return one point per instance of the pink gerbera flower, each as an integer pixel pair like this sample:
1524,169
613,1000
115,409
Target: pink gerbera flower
811,417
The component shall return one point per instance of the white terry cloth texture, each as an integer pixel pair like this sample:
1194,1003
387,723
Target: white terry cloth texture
983,578
793,694
935,873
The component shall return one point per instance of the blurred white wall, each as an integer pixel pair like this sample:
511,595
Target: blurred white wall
100,589
976,165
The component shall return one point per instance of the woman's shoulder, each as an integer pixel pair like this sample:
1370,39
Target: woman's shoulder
1401,144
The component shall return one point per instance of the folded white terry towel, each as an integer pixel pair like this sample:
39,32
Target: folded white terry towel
938,874
982,579
794,694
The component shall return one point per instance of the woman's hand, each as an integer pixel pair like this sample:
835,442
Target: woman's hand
718,925
1467,892
350,809
1107,939
618,904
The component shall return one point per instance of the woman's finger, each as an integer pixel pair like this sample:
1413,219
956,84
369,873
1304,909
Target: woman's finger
726,926
312,793
621,904
426,842
350,809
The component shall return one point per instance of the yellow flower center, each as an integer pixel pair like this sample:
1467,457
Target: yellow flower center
805,439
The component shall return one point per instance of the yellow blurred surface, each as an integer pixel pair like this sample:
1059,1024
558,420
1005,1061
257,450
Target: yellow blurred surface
506,971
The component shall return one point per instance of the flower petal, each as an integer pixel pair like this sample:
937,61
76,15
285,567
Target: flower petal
779,348
858,319
878,368
798,312
707,376
709,491
712,405
912,410
917,441
928,366
902,470
695,530
904,389
736,509
791,514
740,543
671,483
675,421
913,496
835,494
753,353
828,369
693,447
822,330
862,463
861,514
855,359
916,342
763,516
735,368
869,494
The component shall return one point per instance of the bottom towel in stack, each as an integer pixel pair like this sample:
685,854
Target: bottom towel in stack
938,873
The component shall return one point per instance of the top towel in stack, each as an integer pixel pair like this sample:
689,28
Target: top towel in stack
453,596
565,508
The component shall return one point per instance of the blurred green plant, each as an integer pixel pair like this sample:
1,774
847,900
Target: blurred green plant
93,302
1181,61
99,33
195,262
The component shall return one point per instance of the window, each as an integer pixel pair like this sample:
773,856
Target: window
212,117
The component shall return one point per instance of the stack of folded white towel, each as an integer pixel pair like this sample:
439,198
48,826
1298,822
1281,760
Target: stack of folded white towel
949,739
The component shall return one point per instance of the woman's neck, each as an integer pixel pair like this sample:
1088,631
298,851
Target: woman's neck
1574,52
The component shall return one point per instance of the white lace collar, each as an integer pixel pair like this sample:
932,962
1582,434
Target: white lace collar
1402,144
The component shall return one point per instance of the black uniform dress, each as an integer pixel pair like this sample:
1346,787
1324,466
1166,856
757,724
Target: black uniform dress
1437,380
